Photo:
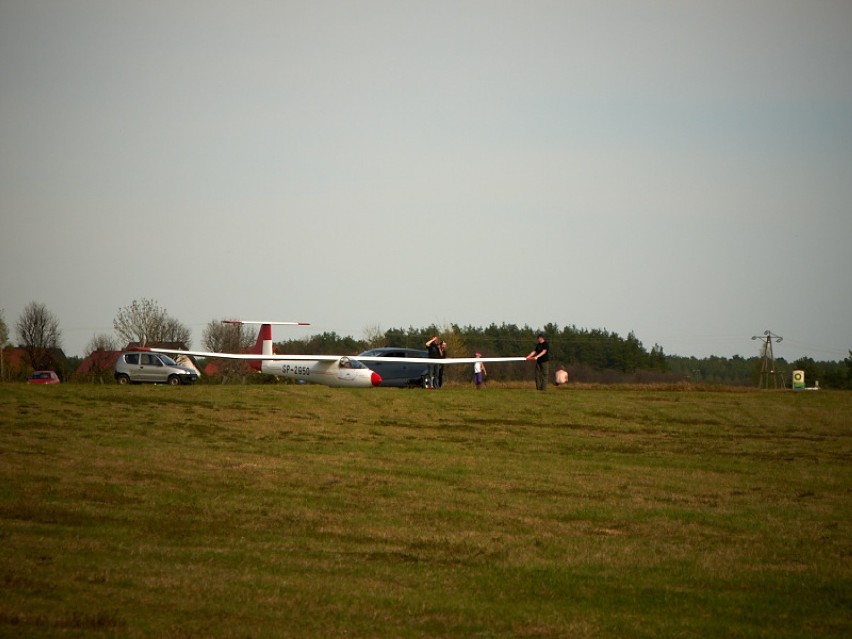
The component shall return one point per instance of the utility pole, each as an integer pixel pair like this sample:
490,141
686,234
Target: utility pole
768,374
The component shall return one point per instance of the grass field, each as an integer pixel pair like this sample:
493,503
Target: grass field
293,511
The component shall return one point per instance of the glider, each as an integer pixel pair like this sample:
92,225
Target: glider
327,370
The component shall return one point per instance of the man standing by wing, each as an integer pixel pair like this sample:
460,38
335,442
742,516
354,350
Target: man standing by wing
434,348
541,356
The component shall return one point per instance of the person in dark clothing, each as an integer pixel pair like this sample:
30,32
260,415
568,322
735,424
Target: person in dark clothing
442,349
434,348
541,356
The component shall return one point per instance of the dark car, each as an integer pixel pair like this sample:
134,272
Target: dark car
397,373
43,377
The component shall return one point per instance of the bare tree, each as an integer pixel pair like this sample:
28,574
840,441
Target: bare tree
4,339
219,337
143,321
38,333
374,336
174,331
140,322
4,330
101,342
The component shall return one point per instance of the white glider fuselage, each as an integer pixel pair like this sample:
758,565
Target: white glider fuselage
343,372
334,371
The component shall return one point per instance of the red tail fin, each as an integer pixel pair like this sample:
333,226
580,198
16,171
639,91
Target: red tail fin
263,345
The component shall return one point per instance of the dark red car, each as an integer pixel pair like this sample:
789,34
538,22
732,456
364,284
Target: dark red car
43,377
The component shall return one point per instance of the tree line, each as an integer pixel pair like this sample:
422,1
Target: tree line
589,355
740,371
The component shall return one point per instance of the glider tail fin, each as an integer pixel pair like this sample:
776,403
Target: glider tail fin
263,345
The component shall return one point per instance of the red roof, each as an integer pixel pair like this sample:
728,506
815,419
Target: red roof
97,362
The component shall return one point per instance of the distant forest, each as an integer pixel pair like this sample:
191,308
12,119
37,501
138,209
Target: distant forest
589,356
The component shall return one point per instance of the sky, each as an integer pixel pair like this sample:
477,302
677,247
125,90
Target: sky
681,170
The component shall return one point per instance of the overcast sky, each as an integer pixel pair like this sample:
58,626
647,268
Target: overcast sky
682,170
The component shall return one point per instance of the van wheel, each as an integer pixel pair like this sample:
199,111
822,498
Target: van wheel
174,380
124,380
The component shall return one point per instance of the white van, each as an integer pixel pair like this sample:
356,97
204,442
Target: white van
155,368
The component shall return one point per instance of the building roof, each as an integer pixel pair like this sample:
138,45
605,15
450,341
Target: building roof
97,362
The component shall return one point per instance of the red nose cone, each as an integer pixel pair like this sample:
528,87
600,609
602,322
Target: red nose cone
375,379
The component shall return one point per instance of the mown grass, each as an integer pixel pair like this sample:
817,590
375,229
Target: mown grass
248,511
